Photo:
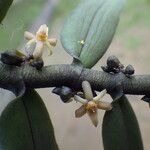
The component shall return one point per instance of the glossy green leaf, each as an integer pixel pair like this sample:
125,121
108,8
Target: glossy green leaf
89,31
120,128
4,6
25,125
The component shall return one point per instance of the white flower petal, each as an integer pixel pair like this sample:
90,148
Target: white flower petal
49,48
52,42
43,29
79,99
104,106
100,95
87,90
94,117
28,35
38,52
80,112
32,41
29,49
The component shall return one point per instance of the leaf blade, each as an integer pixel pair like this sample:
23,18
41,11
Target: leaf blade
4,6
82,26
25,124
42,129
120,128
69,42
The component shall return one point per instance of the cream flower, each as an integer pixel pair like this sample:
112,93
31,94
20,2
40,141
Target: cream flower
91,104
82,42
40,39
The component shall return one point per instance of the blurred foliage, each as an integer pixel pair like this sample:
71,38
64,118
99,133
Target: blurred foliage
64,7
135,13
63,10
23,13
134,20
19,18
132,42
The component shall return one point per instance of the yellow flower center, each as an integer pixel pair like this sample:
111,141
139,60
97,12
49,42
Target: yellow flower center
91,106
42,36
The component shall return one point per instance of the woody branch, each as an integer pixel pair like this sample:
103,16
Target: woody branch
72,76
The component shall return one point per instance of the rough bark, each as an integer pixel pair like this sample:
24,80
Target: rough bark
72,76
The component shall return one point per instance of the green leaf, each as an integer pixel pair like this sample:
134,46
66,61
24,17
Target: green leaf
120,128
94,23
4,6
25,125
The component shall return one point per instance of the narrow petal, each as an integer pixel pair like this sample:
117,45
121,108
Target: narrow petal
52,42
30,43
80,112
43,29
100,95
94,117
49,48
28,35
38,50
20,54
80,99
87,90
104,106
29,49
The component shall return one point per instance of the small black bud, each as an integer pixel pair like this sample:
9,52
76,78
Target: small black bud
113,62
38,64
129,70
105,68
29,57
10,58
57,90
146,99
64,92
